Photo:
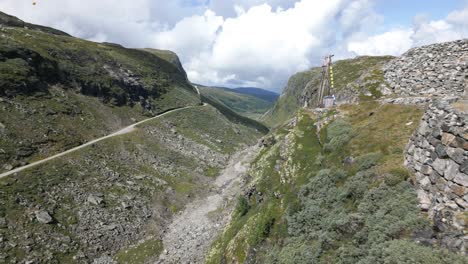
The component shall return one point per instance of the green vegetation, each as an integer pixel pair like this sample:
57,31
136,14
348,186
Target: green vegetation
140,253
59,91
353,76
243,104
316,208
160,165
233,116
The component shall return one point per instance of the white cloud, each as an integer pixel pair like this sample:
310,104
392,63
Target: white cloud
239,42
389,43
263,45
423,32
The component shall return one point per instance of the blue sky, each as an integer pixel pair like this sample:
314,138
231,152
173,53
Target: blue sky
399,13
251,42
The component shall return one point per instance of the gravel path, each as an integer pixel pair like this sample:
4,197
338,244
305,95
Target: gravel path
192,231
123,131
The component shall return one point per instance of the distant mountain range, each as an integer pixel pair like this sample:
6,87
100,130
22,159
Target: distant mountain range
258,92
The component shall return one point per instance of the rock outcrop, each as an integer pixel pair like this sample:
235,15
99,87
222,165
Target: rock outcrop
433,70
438,155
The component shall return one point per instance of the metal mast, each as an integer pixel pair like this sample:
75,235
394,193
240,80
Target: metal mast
326,83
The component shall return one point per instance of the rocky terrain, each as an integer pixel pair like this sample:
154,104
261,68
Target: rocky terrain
434,70
113,200
190,235
438,155
57,91
357,79
326,179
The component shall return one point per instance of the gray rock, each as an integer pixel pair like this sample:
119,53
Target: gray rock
464,167
461,179
426,169
424,200
456,154
95,199
441,152
44,217
440,165
451,171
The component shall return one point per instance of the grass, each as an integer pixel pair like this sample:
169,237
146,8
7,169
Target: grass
140,253
243,104
142,165
312,212
58,92
361,74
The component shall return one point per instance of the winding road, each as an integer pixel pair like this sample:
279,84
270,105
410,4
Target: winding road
122,131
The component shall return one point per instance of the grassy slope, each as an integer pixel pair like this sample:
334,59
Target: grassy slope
63,96
145,165
233,116
244,104
348,74
309,207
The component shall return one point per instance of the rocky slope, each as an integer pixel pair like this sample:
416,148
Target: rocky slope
114,200
332,185
57,91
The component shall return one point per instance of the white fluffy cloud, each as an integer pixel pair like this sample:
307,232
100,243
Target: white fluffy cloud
262,45
239,42
423,32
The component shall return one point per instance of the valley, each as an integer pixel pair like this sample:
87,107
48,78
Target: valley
111,155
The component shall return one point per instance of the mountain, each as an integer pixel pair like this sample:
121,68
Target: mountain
64,201
260,93
370,180
358,78
245,104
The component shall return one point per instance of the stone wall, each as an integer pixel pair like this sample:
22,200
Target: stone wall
437,154
434,70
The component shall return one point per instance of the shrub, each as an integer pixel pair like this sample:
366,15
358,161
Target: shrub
338,134
367,161
404,251
242,206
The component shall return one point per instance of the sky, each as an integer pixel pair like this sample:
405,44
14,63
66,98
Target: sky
253,43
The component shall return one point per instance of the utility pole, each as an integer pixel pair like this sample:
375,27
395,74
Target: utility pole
326,83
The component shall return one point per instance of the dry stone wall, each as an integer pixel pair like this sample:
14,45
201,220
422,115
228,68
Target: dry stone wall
434,70
437,153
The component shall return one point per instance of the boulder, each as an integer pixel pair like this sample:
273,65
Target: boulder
44,217
95,199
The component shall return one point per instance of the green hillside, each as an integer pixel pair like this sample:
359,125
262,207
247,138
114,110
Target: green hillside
244,104
112,199
57,91
339,195
360,77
